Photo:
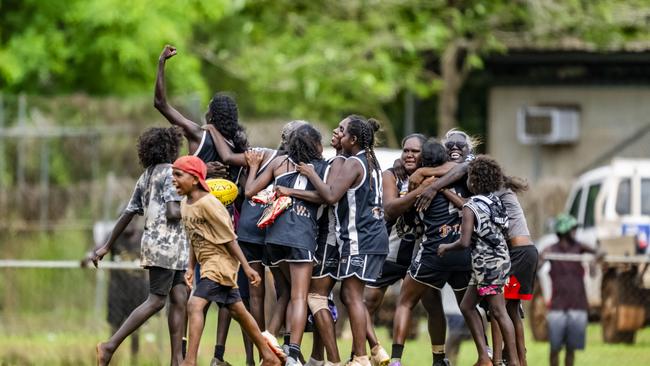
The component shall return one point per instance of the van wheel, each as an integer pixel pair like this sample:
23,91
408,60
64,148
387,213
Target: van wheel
614,295
538,315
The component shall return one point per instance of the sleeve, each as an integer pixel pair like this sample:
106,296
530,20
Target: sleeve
169,190
219,220
135,203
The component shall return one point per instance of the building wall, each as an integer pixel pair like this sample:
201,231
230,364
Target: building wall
609,115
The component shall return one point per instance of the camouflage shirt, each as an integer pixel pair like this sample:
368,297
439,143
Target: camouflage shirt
163,243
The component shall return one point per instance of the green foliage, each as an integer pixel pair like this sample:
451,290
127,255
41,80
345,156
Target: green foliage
98,46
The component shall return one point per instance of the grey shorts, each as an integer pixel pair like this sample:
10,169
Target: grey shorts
567,328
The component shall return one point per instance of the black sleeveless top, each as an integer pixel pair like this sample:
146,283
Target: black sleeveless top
247,231
297,227
404,231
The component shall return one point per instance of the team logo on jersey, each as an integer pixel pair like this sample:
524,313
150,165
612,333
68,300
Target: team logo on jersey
301,210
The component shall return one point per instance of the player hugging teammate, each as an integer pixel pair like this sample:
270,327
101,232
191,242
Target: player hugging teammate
439,216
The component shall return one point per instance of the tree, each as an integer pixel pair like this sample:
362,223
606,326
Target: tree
98,46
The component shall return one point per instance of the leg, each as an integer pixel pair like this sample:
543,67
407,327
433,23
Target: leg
196,309
176,321
352,296
512,306
223,325
555,358
436,322
498,311
300,279
283,291
410,293
569,357
475,324
373,298
497,340
324,321
152,305
257,293
249,326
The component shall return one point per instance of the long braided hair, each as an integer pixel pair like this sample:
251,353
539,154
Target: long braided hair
305,144
223,114
364,130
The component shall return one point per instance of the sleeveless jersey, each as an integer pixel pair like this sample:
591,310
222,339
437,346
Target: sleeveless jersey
247,231
296,227
207,151
360,223
442,223
404,231
326,216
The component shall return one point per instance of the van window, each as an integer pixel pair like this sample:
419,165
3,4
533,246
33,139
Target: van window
590,211
575,205
624,197
645,196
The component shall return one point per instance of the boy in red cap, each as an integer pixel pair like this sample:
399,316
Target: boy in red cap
214,245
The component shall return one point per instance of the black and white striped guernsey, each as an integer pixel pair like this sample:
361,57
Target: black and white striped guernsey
296,227
404,231
207,151
360,222
247,230
326,216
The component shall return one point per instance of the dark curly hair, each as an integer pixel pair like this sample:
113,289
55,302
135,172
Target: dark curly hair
223,114
364,130
433,153
484,175
305,144
159,145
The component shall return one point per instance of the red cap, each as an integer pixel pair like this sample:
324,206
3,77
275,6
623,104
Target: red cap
192,165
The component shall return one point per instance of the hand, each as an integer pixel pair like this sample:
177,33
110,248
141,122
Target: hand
427,182
98,254
217,170
398,169
415,179
189,278
253,277
442,248
254,157
168,52
282,191
85,261
306,169
424,199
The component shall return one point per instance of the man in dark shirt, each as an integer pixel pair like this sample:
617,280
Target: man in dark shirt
567,318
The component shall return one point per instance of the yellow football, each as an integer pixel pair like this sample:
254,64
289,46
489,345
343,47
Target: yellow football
225,190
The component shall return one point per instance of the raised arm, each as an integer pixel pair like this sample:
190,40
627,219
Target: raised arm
425,172
341,182
455,174
191,130
224,150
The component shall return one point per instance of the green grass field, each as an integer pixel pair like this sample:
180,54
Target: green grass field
54,340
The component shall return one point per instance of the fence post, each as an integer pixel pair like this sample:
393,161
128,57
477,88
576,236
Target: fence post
20,149
45,183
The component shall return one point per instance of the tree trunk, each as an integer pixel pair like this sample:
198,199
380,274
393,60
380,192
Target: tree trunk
452,80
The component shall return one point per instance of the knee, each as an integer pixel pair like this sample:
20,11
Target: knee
467,309
317,303
156,302
194,306
373,300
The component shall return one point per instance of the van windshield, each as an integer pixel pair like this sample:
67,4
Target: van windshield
590,212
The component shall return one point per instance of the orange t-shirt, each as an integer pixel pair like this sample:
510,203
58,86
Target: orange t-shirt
208,227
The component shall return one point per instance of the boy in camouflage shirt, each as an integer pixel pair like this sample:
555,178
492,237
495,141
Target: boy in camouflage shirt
164,249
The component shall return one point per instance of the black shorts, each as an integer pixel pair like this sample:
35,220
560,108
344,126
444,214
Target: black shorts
521,280
161,280
366,267
219,294
390,273
326,262
275,254
254,253
422,271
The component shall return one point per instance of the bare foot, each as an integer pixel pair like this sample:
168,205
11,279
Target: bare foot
103,355
188,363
273,361
483,362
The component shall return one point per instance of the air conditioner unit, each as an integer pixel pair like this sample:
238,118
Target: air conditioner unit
548,125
